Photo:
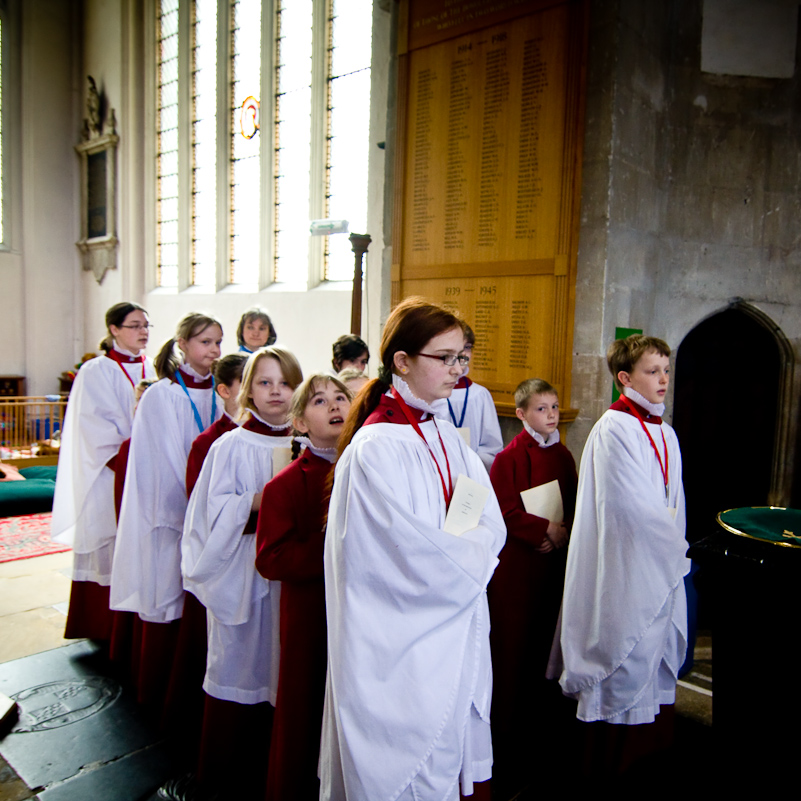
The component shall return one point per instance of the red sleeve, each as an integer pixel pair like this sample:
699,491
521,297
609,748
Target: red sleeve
194,464
289,534
508,481
120,465
568,483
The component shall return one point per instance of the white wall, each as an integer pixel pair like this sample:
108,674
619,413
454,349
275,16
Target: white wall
114,53
39,272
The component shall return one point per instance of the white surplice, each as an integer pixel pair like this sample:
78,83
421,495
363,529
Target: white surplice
480,417
410,676
624,615
219,567
146,574
98,420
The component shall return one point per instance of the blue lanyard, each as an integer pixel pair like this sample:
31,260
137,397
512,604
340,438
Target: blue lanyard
464,409
180,379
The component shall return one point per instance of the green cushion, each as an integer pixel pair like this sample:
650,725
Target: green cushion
40,471
26,497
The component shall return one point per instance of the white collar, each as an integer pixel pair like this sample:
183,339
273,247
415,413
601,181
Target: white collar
133,354
553,437
406,393
654,408
329,454
185,368
269,425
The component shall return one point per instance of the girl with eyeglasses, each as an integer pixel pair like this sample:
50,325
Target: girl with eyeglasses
98,420
409,674
472,410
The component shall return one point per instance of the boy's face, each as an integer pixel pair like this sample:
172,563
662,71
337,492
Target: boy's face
541,413
650,376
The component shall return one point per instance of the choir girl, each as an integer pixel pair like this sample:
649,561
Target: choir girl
409,671
146,573
255,330
526,590
472,410
183,707
350,351
290,536
219,554
99,418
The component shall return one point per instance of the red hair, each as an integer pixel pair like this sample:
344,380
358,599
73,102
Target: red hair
411,325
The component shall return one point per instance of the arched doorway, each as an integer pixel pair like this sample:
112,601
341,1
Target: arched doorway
733,376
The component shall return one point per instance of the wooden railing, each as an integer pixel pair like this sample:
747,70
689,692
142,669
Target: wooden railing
30,427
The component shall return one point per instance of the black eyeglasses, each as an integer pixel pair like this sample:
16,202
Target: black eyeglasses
449,359
137,326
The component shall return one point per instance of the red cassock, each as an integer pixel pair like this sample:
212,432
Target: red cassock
126,628
525,592
201,446
290,540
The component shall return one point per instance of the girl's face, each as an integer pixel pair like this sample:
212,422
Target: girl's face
203,349
324,416
359,363
132,334
430,378
270,392
255,334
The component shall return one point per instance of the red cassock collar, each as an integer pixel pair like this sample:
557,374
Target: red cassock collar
389,411
193,383
252,424
621,406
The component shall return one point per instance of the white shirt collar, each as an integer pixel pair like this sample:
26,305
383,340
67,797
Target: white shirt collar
270,425
124,352
553,437
185,368
406,393
654,408
329,454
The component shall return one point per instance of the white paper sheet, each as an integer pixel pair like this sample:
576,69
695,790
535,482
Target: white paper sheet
545,501
467,504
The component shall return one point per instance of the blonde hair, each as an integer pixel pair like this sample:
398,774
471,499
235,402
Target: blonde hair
290,370
306,391
623,354
190,325
532,386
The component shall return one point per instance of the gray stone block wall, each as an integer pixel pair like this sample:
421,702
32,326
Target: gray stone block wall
690,192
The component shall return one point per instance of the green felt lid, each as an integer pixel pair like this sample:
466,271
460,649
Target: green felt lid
773,524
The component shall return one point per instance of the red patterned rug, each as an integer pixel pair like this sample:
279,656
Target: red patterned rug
27,536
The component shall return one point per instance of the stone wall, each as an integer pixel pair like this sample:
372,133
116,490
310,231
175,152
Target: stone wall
690,193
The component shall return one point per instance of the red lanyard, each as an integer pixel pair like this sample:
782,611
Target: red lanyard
663,467
447,492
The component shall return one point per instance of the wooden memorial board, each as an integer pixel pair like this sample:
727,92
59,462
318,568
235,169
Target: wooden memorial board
488,170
